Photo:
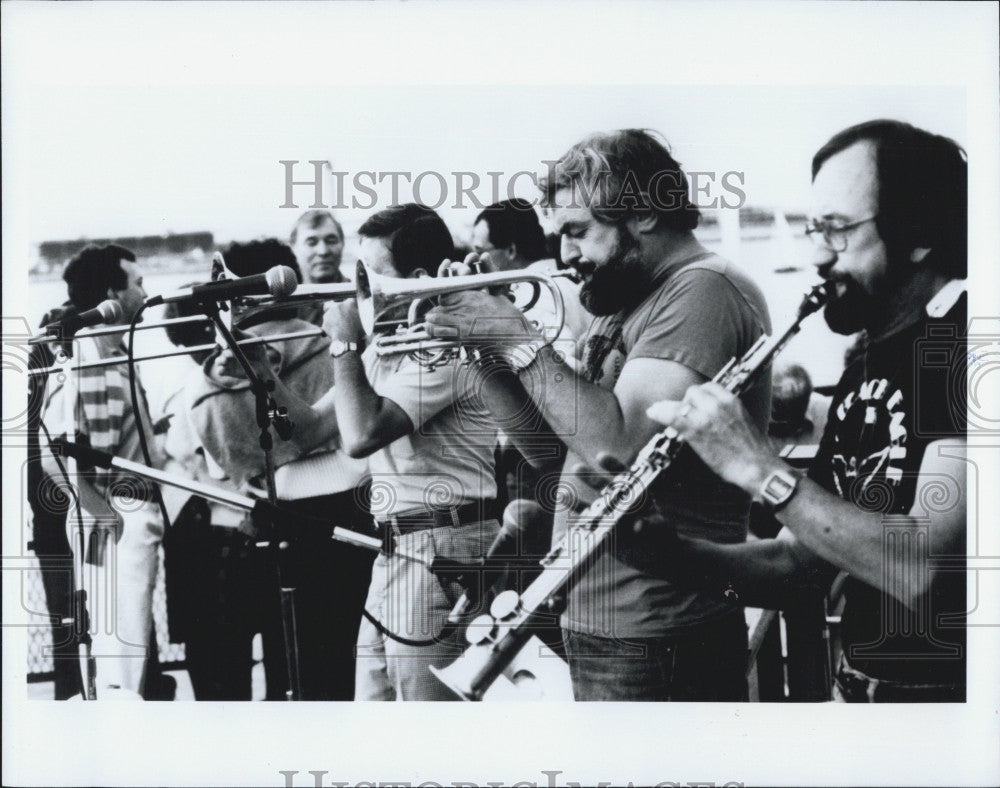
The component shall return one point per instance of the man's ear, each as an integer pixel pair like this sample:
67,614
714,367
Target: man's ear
417,273
511,251
918,254
641,223
112,294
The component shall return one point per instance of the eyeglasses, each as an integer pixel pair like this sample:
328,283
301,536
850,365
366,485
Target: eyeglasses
833,235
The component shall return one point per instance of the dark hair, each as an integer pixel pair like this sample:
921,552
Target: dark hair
515,222
791,388
415,234
623,173
187,334
314,219
94,270
922,190
257,257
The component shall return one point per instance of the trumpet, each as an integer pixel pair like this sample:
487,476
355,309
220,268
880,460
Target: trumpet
496,639
381,300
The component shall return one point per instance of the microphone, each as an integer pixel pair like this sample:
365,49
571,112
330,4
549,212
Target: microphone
279,282
518,517
109,311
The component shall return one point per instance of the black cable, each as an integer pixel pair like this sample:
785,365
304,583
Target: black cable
319,524
445,631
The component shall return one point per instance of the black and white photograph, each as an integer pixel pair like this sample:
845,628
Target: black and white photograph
614,386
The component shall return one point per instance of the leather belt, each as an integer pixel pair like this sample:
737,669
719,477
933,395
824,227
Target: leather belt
449,517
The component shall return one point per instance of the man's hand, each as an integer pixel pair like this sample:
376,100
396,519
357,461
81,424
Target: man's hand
162,424
477,316
264,361
715,424
342,321
644,532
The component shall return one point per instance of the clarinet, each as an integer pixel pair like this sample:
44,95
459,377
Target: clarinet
497,638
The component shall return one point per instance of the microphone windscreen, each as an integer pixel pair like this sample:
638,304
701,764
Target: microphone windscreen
111,311
281,281
529,524
520,514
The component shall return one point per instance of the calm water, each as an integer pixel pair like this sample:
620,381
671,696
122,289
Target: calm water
816,348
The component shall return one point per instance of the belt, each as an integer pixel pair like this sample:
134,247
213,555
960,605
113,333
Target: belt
857,687
449,517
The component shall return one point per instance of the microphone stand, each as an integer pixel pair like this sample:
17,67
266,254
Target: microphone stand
78,618
269,415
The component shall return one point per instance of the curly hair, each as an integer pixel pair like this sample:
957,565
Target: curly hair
624,173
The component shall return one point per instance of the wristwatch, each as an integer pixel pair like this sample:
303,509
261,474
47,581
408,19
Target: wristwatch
339,347
778,489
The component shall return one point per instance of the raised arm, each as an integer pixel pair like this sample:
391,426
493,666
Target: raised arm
714,423
588,418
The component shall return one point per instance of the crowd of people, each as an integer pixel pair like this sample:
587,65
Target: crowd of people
425,457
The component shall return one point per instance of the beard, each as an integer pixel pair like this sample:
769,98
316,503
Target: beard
619,284
847,312
855,308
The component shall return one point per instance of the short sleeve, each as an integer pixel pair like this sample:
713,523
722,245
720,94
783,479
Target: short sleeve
700,319
420,392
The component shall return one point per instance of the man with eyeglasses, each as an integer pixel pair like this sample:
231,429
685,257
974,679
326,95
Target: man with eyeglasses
885,496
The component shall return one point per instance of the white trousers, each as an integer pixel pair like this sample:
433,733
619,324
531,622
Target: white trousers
119,578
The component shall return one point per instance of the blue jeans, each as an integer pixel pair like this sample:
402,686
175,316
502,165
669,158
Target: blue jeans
707,663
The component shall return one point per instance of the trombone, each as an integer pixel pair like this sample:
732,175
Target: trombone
63,366
390,310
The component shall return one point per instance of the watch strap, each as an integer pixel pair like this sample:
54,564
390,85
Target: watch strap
338,348
778,489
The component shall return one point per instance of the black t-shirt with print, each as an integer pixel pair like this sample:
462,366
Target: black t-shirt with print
895,398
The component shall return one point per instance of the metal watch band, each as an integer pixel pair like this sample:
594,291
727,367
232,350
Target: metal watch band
338,348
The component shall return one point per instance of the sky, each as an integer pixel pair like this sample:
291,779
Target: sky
129,160
134,160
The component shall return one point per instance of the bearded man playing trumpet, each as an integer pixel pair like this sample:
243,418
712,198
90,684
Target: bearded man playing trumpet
669,315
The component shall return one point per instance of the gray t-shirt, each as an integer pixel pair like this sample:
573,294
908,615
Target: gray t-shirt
700,314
